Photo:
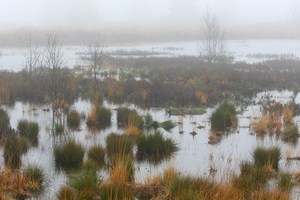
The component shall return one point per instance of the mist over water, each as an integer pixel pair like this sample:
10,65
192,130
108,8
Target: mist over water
117,21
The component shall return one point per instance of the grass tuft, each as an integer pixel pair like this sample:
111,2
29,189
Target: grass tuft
167,125
30,130
73,119
69,155
14,147
263,156
119,145
97,154
99,117
224,117
4,121
155,148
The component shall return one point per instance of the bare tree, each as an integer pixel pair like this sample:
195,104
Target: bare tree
33,57
95,60
54,61
213,44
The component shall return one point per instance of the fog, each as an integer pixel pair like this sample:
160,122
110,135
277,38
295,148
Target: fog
240,18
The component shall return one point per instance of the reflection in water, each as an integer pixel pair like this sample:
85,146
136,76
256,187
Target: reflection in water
196,156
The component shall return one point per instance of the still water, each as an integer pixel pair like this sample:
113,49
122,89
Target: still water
242,50
196,156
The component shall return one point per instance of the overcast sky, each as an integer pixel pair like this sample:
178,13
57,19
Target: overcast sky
99,13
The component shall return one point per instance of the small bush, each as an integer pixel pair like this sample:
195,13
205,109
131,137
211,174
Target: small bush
4,121
30,130
224,117
97,154
35,174
119,145
154,147
69,155
264,157
73,119
14,147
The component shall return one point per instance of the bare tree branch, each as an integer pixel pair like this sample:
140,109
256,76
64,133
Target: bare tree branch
33,56
95,60
213,42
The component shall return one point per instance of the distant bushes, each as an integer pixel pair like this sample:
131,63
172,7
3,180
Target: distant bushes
224,117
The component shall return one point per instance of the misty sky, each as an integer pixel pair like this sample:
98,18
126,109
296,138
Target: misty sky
99,13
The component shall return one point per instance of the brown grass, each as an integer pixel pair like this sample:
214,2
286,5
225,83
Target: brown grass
265,124
132,130
13,185
288,114
264,194
121,169
213,137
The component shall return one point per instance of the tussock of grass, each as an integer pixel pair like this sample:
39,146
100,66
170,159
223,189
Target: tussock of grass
118,145
14,147
30,130
73,119
155,148
121,169
4,121
15,185
97,154
127,117
85,184
252,178
224,117
116,191
99,117
59,128
167,125
290,132
35,174
288,114
263,156
65,193
69,155
262,125
285,182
